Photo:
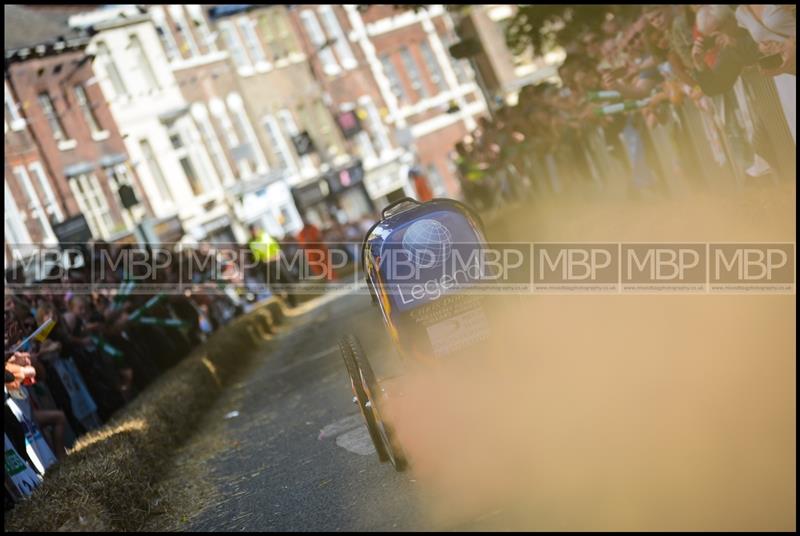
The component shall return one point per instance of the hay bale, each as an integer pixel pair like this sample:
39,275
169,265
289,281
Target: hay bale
275,307
263,321
108,479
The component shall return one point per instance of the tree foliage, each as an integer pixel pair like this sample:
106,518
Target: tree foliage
545,26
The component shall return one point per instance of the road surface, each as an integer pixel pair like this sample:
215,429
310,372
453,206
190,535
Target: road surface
638,412
297,456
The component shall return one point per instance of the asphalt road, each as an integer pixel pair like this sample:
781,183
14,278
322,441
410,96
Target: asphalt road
297,456
286,449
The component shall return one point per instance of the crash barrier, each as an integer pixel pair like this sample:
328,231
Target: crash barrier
106,481
712,142
705,144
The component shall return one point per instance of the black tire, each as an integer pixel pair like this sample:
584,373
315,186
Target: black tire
369,383
348,351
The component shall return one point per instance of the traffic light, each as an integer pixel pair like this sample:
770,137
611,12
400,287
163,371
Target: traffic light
303,143
466,48
127,196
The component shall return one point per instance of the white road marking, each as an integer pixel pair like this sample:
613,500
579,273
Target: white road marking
341,426
351,434
357,441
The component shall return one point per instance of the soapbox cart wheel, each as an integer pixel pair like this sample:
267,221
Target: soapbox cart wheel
366,394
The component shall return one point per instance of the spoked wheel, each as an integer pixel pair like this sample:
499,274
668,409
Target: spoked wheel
366,392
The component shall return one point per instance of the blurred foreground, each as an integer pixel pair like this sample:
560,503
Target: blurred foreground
594,412
614,412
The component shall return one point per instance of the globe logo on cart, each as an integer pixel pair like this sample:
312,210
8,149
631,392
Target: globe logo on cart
429,243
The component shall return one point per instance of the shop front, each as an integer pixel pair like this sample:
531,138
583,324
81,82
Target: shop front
388,182
219,231
166,231
272,208
338,196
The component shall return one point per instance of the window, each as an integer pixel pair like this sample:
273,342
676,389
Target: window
244,127
315,33
251,40
51,206
210,140
245,148
278,143
12,111
92,203
325,127
15,230
52,118
198,19
275,27
334,30
270,30
290,127
199,154
104,55
376,125
234,44
117,177
155,171
189,46
164,34
432,66
460,67
32,200
365,148
86,109
182,154
188,170
142,63
394,78
413,73
231,137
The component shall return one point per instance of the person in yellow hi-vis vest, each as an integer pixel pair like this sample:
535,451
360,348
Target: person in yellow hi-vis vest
267,254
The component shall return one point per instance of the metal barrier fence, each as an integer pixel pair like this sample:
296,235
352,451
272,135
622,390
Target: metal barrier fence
705,144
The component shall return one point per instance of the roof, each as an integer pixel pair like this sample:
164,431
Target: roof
226,10
26,27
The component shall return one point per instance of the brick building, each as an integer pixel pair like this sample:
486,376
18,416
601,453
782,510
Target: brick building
224,59
430,100
354,99
235,114
64,154
31,204
291,117
165,142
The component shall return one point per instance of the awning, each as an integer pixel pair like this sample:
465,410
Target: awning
78,169
227,10
172,115
215,225
112,160
257,183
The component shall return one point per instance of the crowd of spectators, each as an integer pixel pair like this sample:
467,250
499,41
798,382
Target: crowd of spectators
106,337
86,332
623,77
